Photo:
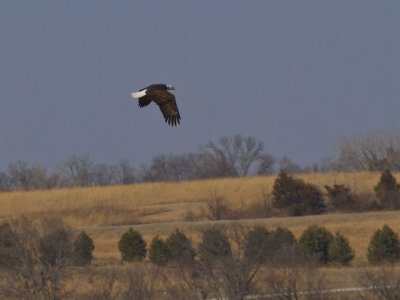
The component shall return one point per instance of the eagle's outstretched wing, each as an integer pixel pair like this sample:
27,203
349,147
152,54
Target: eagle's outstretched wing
166,101
144,101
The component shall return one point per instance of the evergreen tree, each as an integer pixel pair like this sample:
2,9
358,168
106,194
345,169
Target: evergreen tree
180,247
339,196
83,249
315,241
339,250
214,246
132,246
296,196
388,191
257,244
281,238
159,252
384,246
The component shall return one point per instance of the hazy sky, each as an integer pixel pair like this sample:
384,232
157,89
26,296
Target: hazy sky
297,75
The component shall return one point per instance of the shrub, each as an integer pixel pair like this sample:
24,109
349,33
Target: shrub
339,197
284,190
41,252
132,246
56,247
6,236
159,253
296,196
315,241
217,208
8,241
180,247
339,250
384,246
257,244
388,191
215,245
83,249
281,238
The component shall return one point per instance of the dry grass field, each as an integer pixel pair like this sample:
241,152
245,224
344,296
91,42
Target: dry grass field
158,208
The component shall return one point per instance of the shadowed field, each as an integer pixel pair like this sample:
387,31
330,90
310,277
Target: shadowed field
158,208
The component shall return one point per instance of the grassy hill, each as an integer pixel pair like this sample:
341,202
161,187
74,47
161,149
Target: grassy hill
158,208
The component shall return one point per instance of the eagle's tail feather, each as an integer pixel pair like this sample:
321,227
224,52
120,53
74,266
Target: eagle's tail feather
139,94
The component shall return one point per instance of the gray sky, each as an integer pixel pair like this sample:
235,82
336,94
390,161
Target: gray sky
297,75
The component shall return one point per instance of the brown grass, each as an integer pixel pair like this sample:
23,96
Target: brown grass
159,208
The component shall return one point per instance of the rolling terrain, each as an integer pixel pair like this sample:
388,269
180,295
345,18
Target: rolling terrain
159,208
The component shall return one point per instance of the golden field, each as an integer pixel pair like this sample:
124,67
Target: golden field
159,208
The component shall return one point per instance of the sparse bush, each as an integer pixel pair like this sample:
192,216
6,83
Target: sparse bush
8,243
159,252
215,245
56,244
340,250
384,280
315,241
189,216
180,247
384,246
132,246
39,257
234,271
217,208
260,208
339,197
298,197
388,191
296,273
83,249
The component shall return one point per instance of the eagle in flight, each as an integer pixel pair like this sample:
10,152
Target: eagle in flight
159,93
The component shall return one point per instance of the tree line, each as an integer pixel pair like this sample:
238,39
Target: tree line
37,258
291,196
230,156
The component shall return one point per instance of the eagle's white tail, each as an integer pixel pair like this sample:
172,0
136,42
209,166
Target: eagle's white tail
139,94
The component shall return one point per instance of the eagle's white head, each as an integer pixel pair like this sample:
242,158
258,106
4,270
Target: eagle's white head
170,87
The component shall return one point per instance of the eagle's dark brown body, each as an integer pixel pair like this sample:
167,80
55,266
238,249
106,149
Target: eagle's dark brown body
159,94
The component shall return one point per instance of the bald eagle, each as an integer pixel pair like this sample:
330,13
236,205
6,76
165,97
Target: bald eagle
159,93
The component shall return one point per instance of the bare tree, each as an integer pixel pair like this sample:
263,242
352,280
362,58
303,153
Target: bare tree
104,174
231,156
201,165
125,172
78,170
294,276
235,156
194,282
168,167
285,163
33,264
25,177
372,151
54,180
380,283
217,208
143,282
104,281
234,273
266,164
5,183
